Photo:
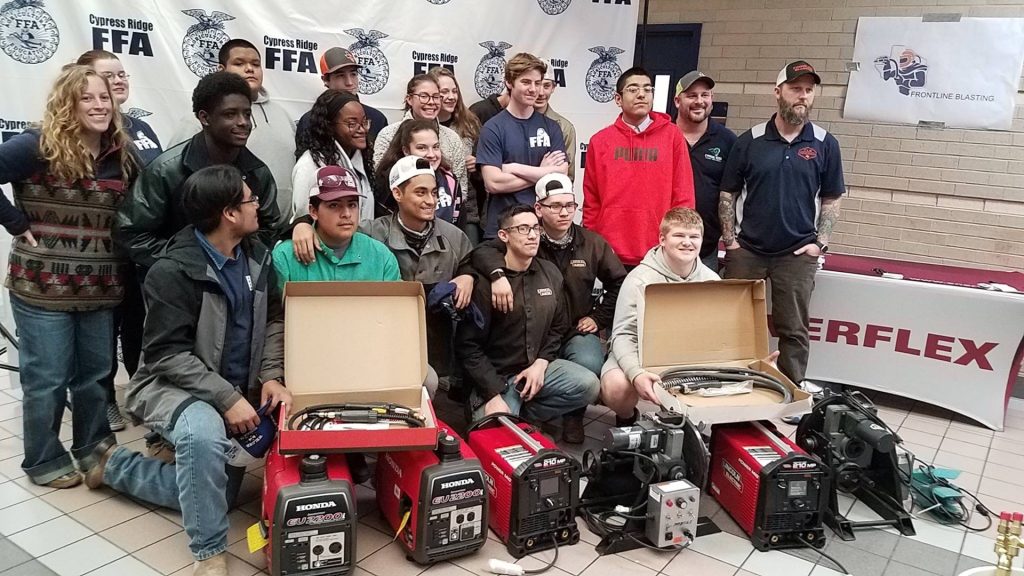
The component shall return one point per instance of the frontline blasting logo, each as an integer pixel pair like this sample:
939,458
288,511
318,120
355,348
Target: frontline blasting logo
554,7
603,73
907,69
27,32
203,40
489,78
374,71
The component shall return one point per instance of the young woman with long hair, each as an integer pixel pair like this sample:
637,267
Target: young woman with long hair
64,275
420,138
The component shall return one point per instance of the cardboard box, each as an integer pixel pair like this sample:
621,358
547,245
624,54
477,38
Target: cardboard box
356,342
713,324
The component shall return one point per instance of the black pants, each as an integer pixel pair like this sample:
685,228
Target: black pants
129,317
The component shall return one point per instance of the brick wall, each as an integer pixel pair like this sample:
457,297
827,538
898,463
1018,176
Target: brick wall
945,196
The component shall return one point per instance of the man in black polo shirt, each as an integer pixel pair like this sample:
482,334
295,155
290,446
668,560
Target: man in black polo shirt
512,357
789,166
709,143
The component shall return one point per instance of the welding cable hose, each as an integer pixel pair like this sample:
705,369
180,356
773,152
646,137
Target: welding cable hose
319,416
690,379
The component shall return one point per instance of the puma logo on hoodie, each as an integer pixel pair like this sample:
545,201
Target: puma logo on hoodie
635,154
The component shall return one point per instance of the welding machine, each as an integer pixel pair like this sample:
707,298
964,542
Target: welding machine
773,489
434,499
534,487
310,513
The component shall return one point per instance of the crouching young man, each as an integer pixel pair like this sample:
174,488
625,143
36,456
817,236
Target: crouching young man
512,357
676,258
213,349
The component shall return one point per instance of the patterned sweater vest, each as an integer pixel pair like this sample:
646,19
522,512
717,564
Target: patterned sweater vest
75,267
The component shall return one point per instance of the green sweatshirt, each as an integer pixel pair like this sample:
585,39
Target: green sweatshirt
365,260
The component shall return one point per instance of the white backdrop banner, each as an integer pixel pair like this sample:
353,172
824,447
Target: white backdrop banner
964,73
166,46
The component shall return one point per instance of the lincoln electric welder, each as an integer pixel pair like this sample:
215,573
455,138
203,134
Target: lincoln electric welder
773,489
308,504
534,487
435,500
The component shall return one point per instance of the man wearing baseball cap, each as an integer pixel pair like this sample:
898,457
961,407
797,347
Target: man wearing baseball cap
788,166
543,105
340,71
583,257
428,249
709,144
345,254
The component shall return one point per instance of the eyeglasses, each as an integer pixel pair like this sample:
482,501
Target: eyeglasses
557,207
524,229
634,90
353,125
424,97
254,199
120,75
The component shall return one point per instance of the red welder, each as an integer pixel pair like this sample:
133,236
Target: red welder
436,499
773,489
310,515
534,487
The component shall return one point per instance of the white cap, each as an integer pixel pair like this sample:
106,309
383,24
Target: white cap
549,72
408,168
551,184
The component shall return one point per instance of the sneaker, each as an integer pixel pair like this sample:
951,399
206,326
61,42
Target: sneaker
102,452
212,566
69,480
114,417
572,429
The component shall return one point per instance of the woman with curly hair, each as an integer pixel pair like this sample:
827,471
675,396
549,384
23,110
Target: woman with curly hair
64,276
455,115
421,138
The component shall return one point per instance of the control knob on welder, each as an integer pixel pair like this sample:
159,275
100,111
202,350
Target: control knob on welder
448,448
313,468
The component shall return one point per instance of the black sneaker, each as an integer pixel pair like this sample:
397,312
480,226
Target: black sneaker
115,418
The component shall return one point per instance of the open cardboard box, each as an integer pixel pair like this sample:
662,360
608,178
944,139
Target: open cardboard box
713,324
356,342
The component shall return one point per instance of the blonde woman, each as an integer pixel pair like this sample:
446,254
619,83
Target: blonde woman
68,176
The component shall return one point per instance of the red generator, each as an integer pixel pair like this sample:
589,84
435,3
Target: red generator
534,487
773,489
435,500
310,514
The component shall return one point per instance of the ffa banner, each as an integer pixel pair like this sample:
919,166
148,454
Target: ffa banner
963,73
166,46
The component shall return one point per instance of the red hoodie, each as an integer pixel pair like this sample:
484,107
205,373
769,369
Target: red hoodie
630,180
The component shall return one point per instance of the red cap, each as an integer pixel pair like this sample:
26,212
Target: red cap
333,182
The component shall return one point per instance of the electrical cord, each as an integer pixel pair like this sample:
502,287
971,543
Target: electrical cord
554,540
318,416
823,554
694,378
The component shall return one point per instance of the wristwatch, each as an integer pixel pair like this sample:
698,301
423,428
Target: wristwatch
497,274
821,246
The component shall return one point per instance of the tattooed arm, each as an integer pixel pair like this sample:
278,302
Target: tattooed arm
727,218
827,218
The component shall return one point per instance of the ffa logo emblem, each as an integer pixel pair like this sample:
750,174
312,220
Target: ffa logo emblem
203,40
713,154
554,7
374,69
807,153
603,73
27,32
903,66
489,78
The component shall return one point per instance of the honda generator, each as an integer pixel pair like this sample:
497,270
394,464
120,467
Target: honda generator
435,500
310,514
773,489
534,487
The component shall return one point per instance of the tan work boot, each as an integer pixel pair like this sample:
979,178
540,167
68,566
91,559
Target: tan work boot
212,566
102,452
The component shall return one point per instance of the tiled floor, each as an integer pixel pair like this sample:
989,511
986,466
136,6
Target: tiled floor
78,531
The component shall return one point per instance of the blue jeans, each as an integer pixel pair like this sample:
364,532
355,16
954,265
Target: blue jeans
199,483
567,387
61,351
585,350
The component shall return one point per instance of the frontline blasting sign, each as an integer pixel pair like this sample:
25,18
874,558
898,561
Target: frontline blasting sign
964,73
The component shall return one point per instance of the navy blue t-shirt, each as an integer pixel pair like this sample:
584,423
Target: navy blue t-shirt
777,212
506,139
707,157
146,142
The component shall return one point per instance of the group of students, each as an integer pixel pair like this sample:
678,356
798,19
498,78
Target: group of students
207,233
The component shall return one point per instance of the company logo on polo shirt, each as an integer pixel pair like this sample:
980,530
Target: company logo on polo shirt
489,77
907,69
713,154
578,263
27,32
121,35
603,73
807,153
541,139
374,71
544,291
290,54
554,7
202,41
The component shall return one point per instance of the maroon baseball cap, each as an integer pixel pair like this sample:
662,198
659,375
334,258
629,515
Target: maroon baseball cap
335,59
333,182
794,70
